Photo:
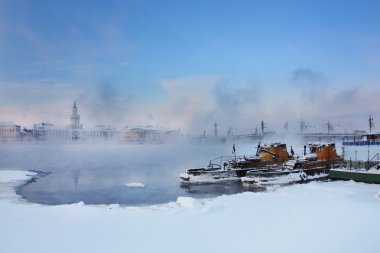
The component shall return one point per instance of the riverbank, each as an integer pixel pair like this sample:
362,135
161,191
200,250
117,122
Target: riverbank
317,217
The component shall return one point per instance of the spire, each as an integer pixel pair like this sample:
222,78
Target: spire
75,118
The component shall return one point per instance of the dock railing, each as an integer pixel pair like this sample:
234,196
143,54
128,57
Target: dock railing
376,158
360,165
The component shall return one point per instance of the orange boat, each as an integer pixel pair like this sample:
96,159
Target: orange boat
313,166
319,156
230,168
274,153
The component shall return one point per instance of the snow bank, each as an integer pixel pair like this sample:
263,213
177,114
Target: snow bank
10,176
188,202
9,180
315,217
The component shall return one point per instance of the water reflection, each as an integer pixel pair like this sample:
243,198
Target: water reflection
217,189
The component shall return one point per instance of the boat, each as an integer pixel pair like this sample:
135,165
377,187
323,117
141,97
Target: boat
320,156
361,147
312,166
369,173
224,169
270,177
363,140
372,175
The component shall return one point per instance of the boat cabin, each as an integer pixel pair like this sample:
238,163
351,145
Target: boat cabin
324,151
274,152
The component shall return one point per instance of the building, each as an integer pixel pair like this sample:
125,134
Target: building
149,134
48,132
9,132
75,128
74,132
100,133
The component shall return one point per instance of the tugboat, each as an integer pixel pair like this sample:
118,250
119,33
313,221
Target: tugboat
225,169
312,166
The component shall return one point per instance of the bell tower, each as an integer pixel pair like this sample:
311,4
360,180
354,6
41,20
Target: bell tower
75,126
75,118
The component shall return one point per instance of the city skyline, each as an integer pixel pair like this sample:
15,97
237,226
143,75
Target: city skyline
189,64
74,119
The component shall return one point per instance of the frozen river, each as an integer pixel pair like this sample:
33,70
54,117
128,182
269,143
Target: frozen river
106,174
98,174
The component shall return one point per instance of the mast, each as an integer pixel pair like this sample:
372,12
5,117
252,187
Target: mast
286,126
330,127
371,124
303,126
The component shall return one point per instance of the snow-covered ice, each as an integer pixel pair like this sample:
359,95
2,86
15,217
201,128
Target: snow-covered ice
315,217
9,180
10,176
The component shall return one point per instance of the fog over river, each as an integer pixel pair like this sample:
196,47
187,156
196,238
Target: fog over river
106,174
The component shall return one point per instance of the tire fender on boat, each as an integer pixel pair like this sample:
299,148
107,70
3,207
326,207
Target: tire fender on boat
303,176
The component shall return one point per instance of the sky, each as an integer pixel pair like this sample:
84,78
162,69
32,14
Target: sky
188,64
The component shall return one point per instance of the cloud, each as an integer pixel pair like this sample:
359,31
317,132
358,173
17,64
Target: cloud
195,103
105,104
187,101
357,99
311,84
231,98
190,103
36,101
348,99
308,77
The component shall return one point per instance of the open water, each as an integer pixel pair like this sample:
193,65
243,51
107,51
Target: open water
97,174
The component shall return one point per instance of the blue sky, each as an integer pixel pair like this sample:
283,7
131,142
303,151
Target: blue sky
187,64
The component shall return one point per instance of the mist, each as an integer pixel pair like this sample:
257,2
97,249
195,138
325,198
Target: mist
97,174
193,104
105,104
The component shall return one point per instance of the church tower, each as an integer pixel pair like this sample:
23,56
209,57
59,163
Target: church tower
75,126
75,118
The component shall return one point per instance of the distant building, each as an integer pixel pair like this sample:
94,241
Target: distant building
149,134
9,132
100,133
26,135
49,132
74,132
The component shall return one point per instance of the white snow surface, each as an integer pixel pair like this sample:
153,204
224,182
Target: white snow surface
135,185
8,176
340,216
9,180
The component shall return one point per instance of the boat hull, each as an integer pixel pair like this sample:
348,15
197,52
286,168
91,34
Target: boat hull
285,178
359,176
217,176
